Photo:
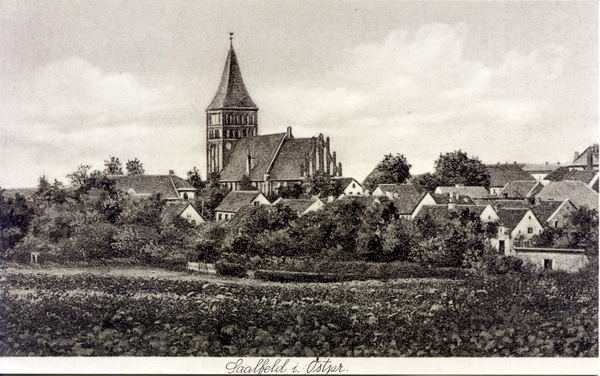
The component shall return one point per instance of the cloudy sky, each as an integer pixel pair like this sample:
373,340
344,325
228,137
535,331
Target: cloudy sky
503,81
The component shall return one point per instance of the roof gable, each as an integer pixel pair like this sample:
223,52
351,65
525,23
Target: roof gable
511,217
236,200
520,189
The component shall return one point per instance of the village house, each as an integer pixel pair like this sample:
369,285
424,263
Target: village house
554,213
449,200
234,148
394,191
183,209
520,189
168,187
236,200
578,192
406,204
516,226
568,260
502,174
472,191
540,171
350,186
300,206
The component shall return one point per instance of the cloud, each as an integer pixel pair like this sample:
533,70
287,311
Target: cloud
73,94
419,94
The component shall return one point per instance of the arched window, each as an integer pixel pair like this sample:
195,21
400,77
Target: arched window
244,133
217,133
185,196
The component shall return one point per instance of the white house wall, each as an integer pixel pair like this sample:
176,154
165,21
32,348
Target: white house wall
191,215
565,261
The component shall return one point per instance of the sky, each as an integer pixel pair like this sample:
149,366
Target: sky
503,81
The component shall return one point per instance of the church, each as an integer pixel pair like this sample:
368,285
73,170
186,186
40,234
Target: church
235,149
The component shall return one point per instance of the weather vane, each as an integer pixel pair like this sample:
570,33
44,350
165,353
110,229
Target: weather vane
231,39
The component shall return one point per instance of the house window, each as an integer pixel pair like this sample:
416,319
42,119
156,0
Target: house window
530,230
185,196
548,264
529,217
220,216
353,185
501,247
256,203
188,215
555,223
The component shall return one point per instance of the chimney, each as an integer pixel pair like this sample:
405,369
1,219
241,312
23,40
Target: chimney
590,160
171,172
289,132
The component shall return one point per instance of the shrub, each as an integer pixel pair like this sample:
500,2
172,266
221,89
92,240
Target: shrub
505,264
228,268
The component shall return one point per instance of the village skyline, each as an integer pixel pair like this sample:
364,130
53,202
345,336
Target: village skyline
502,81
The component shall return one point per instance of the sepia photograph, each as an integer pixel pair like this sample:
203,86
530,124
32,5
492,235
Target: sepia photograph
311,187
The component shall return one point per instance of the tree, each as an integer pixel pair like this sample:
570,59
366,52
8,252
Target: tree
113,166
391,170
321,184
134,167
425,182
194,178
457,168
246,184
15,216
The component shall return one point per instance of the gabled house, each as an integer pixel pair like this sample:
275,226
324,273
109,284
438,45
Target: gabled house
578,192
407,203
554,213
237,200
515,226
472,191
350,186
393,191
181,209
502,174
300,206
520,189
449,200
541,170
169,187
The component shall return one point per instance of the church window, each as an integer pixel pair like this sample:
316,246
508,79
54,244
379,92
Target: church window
244,133
217,133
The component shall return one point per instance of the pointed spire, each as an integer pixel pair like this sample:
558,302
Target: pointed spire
232,92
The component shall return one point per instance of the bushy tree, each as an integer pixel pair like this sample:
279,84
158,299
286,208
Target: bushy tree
194,178
134,167
112,166
457,168
393,169
15,216
322,185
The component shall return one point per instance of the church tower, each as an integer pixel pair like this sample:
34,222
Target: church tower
231,115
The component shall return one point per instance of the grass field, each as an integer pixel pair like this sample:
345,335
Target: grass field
152,312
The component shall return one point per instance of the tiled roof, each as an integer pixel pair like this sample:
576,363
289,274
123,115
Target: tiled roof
543,210
297,205
471,191
399,189
578,192
477,209
502,174
436,212
150,185
533,168
407,203
232,92
560,173
446,198
262,149
174,209
287,165
585,176
510,217
236,200
520,189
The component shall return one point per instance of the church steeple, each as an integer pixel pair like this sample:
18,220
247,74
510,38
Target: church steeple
231,115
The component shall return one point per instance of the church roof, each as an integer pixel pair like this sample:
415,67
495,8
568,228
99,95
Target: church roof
287,165
262,150
232,92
